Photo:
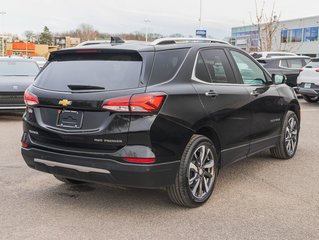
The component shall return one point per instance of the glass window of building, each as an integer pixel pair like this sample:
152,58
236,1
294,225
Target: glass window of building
311,34
284,36
296,35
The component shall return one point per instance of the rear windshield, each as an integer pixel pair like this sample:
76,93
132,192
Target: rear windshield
313,65
102,71
16,68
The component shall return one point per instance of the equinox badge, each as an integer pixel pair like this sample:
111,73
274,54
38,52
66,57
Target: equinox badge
65,102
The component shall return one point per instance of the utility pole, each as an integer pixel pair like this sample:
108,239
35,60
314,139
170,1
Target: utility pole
147,21
200,15
2,39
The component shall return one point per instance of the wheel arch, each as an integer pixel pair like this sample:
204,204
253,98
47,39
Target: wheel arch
295,107
211,133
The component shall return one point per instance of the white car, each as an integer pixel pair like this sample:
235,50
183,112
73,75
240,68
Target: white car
308,81
258,55
41,61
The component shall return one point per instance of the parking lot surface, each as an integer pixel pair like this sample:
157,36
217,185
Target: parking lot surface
257,198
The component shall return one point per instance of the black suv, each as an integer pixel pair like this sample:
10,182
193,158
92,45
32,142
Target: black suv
289,66
167,114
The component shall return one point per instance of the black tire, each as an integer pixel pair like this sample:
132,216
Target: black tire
282,151
310,99
68,180
181,192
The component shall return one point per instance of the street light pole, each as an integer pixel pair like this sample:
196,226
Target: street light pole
2,39
147,21
200,14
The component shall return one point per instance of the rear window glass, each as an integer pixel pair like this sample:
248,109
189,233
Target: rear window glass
166,65
16,68
105,71
313,65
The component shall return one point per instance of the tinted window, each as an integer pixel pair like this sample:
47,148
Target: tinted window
217,65
16,68
115,72
250,72
283,63
201,71
166,65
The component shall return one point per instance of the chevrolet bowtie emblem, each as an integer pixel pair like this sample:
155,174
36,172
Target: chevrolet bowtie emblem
65,103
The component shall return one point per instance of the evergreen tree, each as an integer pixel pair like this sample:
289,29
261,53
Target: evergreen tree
46,36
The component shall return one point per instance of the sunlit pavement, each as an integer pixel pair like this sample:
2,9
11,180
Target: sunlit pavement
258,198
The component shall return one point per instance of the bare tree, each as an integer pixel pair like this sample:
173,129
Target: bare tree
267,25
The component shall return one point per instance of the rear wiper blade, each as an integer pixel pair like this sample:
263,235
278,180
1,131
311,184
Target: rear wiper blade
85,87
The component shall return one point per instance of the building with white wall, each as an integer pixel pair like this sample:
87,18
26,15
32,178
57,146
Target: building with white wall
300,36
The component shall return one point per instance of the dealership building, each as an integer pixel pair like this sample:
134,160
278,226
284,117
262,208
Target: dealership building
298,35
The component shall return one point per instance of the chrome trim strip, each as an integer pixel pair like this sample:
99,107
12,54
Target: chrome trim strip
70,166
12,108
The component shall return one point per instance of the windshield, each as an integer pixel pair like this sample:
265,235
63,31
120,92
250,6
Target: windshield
108,75
16,68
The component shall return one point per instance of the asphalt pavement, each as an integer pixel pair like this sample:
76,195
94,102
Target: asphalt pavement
257,198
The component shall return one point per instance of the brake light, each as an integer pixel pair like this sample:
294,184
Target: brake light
300,70
117,104
148,102
317,70
30,99
24,145
140,160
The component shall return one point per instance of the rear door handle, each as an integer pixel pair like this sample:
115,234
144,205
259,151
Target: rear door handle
254,93
211,93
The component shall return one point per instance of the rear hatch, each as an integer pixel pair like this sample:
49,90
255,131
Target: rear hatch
71,91
309,75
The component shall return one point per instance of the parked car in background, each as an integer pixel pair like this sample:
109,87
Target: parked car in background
166,114
287,65
112,40
258,55
16,74
308,81
41,61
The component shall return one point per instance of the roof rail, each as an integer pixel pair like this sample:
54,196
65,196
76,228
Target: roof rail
162,41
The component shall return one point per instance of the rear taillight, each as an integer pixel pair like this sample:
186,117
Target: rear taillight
140,160
301,69
139,103
317,70
30,99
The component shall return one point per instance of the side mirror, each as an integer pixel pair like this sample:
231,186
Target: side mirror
279,79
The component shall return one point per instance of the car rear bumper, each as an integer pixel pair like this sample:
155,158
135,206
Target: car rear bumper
308,91
101,170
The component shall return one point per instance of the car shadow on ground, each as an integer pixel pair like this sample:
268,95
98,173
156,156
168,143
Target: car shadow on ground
121,199
10,117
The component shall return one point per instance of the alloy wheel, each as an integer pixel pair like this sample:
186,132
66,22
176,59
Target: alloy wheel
201,172
291,136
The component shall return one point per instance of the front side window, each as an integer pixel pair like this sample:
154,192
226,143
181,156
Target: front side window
250,72
213,67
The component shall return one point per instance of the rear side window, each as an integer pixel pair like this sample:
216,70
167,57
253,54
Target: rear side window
295,63
213,67
166,65
109,71
284,63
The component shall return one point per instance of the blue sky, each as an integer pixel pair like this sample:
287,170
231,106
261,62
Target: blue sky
167,16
